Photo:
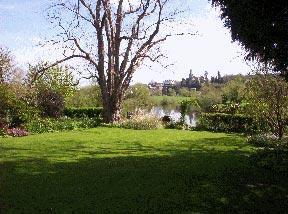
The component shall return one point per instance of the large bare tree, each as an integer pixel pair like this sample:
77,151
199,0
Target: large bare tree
113,37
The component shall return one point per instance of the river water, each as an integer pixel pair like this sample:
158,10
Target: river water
175,114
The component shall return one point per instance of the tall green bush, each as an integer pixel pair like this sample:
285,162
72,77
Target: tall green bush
50,88
83,112
42,125
267,95
226,123
14,110
51,103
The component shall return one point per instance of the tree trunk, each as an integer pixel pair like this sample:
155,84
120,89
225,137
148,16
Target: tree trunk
280,130
111,109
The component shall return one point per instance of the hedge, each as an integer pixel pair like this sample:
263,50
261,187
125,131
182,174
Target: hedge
83,112
226,123
42,125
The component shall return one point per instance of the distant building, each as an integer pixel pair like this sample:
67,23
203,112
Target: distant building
191,82
168,84
155,87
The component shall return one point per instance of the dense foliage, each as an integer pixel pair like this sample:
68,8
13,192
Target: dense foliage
137,96
234,90
208,97
51,103
86,96
6,65
83,112
226,123
57,78
186,106
42,125
268,100
261,26
14,109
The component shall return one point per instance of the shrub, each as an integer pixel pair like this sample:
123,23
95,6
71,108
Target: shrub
51,103
275,160
83,112
166,101
40,125
87,96
260,140
267,141
17,132
229,108
267,96
178,125
142,120
14,110
226,123
2,132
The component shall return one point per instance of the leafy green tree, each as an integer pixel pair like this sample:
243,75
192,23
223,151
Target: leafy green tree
209,95
137,96
87,96
156,92
138,91
50,88
14,109
234,90
261,26
171,92
268,102
51,103
57,78
6,65
184,92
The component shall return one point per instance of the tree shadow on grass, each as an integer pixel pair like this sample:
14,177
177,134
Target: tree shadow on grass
195,180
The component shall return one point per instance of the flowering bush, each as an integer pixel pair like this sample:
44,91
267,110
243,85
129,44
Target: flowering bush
16,132
142,120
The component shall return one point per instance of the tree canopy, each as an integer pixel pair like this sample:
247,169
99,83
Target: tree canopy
261,26
6,64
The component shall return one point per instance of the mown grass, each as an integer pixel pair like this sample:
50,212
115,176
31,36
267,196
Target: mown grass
170,99
111,170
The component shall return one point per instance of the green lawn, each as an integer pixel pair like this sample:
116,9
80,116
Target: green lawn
111,170
176,99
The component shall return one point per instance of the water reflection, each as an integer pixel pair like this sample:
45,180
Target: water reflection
175,114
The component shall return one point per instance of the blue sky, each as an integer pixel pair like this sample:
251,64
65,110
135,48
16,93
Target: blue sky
23,25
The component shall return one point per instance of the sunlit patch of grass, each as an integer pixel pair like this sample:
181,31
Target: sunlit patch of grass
112,170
